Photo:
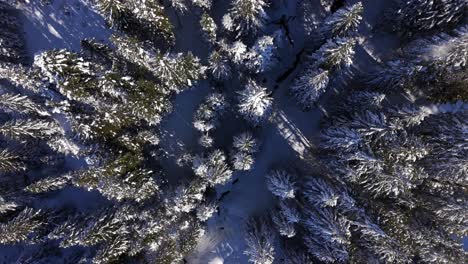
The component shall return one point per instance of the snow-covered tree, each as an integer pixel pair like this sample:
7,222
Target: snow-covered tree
219,66
308,88
179,5
399,154
34,129
262,56
21,104
255,104
212,167
23,77
421,16
205,4
22,227
244,147
176,71
335,54
237,51
120,179
260,243
286,218
344,22
245,16
10,161
205,211
208,27
143,18
281,184
209,112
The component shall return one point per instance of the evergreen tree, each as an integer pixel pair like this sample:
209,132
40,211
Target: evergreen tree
245,16
259,240
254,103
22,228
176,71
401,155
244,147
308,88
145,19
219,66
415,16
205,4
281,184
208,27
262,56
207,116
344,22
335,54
212,167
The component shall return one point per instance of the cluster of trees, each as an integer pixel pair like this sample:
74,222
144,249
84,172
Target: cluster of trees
335,55
385,183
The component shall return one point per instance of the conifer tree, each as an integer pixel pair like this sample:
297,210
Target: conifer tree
281,184
22,228
245,16
344,22
259,240
208,27
244,147
219,66
400,154
309,87
262,56
422,16
254,103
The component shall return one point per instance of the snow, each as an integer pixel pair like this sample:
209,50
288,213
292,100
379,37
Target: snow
63,24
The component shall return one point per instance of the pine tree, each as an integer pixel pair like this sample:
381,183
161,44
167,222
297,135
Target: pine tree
219,66
259,240
205,4
209,112
179,5
176,71
246,16
237,51
120,179
415,16
21,104
21,76
398,154
30,129
6,206
262,56
344,22
255,103
281,184
21,228
286,218
308,88
10,161
335,54
206,211
212,167
208,27
146,19
244,147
